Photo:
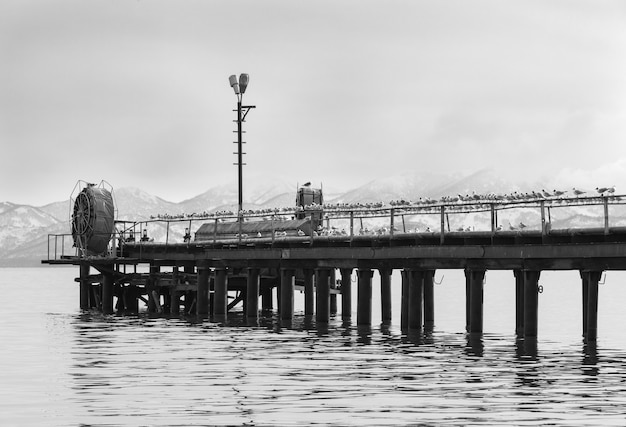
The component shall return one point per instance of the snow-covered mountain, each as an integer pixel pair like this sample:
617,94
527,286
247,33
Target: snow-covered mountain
24,229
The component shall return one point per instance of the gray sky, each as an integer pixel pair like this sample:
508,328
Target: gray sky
136,92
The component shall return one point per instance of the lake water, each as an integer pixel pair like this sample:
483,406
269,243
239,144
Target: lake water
63,367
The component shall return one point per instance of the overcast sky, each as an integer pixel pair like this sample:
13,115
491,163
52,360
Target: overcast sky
136,92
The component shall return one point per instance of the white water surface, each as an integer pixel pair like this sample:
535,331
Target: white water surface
61,366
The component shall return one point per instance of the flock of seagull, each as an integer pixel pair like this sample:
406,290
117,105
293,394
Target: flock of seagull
467,199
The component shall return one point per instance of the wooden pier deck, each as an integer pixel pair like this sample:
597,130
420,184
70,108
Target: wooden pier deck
195,276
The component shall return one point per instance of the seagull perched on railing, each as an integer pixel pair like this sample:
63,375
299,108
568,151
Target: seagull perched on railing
602,190
577,192
611,190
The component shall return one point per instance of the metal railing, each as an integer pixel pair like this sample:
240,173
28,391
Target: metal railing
179,229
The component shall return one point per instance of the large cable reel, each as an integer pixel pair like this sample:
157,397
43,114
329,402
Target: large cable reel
92,219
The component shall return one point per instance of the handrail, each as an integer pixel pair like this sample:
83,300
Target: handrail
125,230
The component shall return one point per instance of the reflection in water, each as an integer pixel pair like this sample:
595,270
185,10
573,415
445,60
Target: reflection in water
188,370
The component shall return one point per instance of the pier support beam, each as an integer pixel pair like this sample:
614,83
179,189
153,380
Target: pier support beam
84,286
519,302
267,298
202,291
309,292
531,299
175,302
131,300
364,297
385,294
590,280
333,295
107,294
404,304
150,288
429,298
474,303
287,276
220,305
346,293
252,295
416,294
174,294
322,295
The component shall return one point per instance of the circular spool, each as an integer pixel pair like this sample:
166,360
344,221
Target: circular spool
93,220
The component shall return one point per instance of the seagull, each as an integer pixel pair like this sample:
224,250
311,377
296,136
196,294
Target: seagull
545,193
558,193
511,227
306,184
499,227
522,225
611,190
578,192
602,190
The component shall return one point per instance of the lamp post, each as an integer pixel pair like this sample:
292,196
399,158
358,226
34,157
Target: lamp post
239,86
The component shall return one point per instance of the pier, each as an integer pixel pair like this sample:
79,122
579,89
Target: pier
209,274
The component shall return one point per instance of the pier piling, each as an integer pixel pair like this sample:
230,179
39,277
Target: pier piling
364,297
322,295
531,297
404,303
385,294
519,301
416,293
252,293
309,291
476,280
287,277
429,298
591,280
346,293
202,296
107,293
220,305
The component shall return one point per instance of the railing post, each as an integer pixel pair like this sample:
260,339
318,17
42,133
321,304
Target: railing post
443,225
543,219
606,216
351,225
391,221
